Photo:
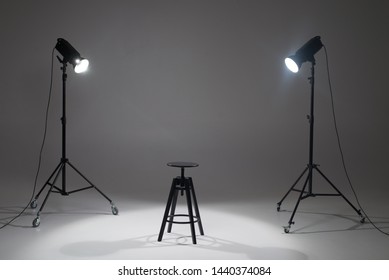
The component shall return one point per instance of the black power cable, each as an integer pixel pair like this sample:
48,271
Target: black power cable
341,150
42,146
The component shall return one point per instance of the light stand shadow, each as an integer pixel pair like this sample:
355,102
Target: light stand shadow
7,213
357,225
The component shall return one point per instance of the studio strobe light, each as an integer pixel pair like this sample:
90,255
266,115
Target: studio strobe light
294,62
80,64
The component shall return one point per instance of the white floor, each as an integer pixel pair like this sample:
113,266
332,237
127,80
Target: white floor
81,226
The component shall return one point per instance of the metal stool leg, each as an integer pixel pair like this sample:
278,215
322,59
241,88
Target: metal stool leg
165,216
196,207
190,211
172,210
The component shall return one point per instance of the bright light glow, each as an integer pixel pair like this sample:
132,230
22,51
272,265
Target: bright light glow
292,65
81,66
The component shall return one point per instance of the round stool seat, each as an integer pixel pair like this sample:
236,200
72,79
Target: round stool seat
182,164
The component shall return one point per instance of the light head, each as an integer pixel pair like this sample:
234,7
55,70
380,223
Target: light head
71,55
304,54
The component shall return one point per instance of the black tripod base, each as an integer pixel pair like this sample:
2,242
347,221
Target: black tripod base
308,193
51,182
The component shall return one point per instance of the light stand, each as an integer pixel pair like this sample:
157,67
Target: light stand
64,162
311,166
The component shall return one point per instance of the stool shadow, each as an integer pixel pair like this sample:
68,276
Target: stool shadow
98,249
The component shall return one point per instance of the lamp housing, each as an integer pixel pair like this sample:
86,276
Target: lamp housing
71,55
304,54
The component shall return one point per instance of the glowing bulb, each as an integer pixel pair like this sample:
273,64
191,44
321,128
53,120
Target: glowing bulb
81,65
292,65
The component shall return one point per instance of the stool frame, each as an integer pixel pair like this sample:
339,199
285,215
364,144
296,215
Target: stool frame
185,186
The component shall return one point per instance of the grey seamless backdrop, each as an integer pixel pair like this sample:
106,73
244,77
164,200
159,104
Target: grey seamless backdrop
196,81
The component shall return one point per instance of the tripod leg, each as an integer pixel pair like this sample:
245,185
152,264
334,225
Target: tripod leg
290,223
341,194
33,203
114,209
291,188
36,221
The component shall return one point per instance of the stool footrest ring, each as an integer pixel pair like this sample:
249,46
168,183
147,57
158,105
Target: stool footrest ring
171,217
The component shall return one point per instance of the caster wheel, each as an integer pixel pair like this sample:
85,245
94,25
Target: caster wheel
36,222
286,229
278,208
33,204
115,210
363,220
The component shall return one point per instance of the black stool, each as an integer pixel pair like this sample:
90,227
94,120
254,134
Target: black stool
183,184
